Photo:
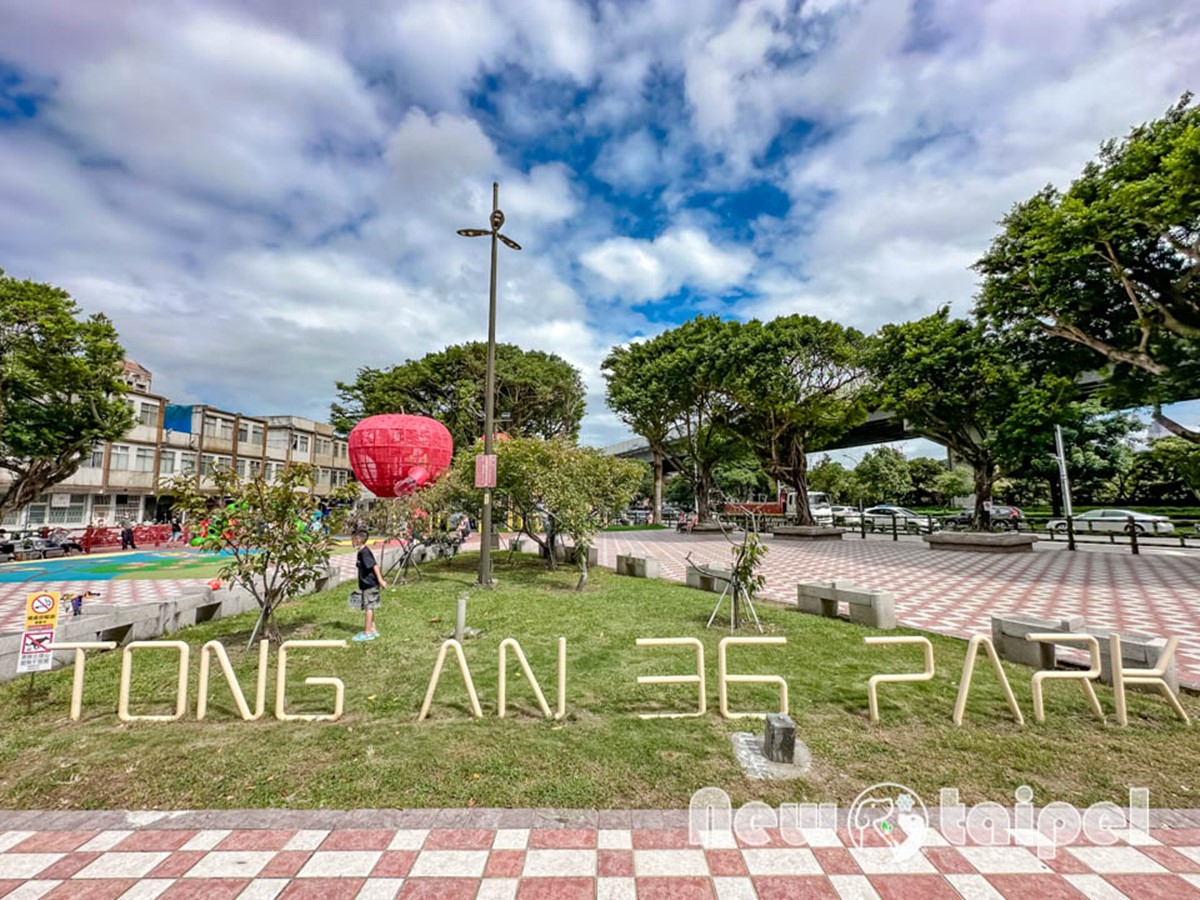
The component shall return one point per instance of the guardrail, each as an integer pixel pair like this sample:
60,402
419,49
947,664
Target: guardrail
1134,533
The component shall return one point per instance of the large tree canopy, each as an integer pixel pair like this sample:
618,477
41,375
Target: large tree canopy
60,388
1113,264
959,385
542,393
793,385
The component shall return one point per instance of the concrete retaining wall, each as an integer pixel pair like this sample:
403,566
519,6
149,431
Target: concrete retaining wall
146,621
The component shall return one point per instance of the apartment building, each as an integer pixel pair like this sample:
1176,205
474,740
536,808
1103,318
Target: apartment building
131,478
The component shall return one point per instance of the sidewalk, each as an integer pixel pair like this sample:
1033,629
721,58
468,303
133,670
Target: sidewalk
560,854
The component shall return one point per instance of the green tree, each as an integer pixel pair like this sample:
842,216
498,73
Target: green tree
60,388
1169,472
953,483
571,490
639,389
680,369
882,475
1111,265
541,394
1094,438
832,478
794,385
741,476
266,529
924,473
958,384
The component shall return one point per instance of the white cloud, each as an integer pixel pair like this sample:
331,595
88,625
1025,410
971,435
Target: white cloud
647,270
265,195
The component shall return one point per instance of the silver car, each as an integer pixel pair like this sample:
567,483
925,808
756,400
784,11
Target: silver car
1115,520
880,518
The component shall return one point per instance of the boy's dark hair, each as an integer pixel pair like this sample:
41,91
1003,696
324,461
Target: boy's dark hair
360,535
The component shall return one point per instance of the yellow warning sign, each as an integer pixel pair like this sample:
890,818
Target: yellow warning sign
41,609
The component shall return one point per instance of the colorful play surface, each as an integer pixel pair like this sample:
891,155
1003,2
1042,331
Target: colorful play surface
152,564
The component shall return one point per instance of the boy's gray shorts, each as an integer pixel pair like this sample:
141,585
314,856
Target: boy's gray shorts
364,600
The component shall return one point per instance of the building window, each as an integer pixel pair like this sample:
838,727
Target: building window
118,458
144,460
149,414
187,463
241,468
255,468
210,426
67,509
129,506
300,442
243,432
208,464
96,459
256,435
166,462
226,429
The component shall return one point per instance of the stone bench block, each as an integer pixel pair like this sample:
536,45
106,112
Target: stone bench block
638,566
714,580
807,532
867,607
1138,651
1008,637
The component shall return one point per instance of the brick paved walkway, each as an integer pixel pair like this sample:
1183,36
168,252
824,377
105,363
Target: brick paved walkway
956,593
558,855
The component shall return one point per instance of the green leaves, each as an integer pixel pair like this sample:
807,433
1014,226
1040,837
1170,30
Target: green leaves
274,541
542,394
1109,270
60,387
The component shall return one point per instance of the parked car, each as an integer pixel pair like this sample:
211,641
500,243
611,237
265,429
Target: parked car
1115,520
880,518
838,515
1003,518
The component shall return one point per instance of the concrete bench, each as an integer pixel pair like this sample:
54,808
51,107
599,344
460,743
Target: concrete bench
714,579
980,541
807,532
637,566
866,607
1138,651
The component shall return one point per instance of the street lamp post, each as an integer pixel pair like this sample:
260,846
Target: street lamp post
496,220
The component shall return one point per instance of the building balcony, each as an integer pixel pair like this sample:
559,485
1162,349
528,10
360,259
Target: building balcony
124,479
142,434
85,478
217,444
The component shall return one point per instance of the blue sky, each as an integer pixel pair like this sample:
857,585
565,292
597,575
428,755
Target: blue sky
264,195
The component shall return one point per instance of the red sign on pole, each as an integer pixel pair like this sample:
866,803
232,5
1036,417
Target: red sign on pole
485,470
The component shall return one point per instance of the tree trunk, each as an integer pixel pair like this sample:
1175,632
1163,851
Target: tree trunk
983,492
1056,497
656,510
581,551
702,490
794,473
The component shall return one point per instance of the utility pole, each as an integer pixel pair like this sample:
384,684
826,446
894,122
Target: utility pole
496,220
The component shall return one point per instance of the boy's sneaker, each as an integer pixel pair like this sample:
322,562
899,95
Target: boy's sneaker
361,636
371,636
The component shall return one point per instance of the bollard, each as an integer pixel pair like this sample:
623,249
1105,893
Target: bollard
895,534
862,524
1070,533
1131,527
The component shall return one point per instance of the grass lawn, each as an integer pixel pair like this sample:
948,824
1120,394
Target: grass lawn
602,754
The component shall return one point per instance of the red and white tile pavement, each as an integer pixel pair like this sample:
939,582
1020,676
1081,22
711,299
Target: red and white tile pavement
957,593
558,855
